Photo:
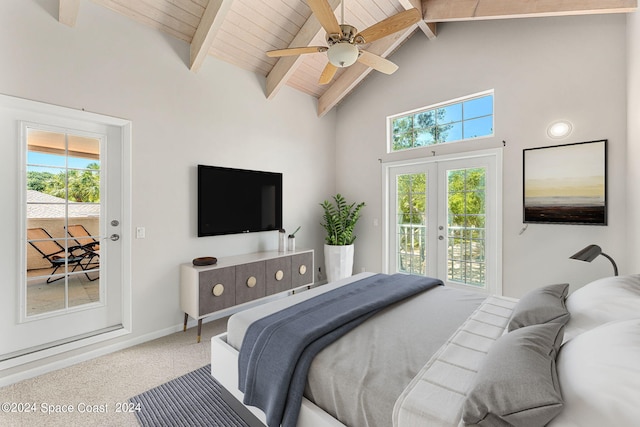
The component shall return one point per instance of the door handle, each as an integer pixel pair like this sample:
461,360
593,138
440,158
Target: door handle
115,237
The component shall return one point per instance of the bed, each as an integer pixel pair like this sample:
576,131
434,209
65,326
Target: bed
446,357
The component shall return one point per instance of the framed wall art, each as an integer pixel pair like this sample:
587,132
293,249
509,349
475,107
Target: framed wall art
566,184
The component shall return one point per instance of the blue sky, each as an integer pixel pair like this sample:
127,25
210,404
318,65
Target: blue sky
55,161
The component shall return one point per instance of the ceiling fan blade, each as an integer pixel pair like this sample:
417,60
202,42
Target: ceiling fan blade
324,13
388,26
296,51
376,62
328,73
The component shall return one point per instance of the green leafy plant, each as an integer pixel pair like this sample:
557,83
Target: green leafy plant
339,220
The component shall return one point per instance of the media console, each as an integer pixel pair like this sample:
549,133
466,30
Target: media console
241,279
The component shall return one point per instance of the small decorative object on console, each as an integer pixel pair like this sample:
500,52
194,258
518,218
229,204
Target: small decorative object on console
282,241
206,260
291,246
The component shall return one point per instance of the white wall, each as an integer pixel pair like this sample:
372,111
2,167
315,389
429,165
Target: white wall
633,140
111,65
542,69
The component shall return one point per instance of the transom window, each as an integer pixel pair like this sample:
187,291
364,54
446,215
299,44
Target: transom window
458,120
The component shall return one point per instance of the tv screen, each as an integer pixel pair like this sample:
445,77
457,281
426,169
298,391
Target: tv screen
238,201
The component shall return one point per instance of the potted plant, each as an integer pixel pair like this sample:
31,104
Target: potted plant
339,220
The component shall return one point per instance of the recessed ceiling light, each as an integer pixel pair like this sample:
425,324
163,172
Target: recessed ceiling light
559,129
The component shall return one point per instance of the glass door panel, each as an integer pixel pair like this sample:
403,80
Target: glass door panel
466,226
411,223
63,221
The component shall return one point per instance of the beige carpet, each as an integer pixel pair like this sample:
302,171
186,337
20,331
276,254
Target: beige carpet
107,381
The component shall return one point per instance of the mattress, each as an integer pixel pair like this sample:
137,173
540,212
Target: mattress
358,378
435,395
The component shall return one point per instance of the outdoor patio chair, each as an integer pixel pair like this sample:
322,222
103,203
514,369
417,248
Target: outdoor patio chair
75,256
83,238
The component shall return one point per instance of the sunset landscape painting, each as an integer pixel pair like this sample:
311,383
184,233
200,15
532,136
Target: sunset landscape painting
566,184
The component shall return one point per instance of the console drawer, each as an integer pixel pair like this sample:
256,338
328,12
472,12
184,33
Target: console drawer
250,282
278,272
217,289
302,269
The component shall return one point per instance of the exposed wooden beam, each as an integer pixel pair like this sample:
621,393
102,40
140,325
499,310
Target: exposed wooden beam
466,10
286,66
357,72
210,23
428,28
68,12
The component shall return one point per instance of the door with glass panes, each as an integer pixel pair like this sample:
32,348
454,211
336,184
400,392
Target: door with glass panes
71,283
443,220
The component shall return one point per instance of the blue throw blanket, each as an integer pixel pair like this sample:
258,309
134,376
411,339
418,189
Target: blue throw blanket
278,349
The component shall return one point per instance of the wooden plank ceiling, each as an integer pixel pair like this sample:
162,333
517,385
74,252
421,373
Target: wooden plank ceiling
241,31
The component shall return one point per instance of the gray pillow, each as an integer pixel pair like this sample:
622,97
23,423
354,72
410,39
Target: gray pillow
541,305
517,384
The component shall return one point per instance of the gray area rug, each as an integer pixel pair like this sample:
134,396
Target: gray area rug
193,399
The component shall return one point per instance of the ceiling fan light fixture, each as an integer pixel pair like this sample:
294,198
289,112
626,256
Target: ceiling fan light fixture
343,54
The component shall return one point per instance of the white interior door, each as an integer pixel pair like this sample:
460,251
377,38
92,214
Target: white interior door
444,221
71,280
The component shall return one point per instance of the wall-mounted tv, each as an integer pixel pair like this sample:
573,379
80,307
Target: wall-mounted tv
238,201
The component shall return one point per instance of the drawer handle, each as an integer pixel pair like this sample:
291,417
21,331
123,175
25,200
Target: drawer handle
251,281
279,275
218,290
302,269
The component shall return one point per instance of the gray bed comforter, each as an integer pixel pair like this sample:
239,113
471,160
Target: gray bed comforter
277,350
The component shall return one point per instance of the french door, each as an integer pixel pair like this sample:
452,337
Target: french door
443,221
71,285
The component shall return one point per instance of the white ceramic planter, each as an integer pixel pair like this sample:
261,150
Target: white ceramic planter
338,261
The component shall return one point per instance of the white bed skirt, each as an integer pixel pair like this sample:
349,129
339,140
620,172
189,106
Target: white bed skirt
224,368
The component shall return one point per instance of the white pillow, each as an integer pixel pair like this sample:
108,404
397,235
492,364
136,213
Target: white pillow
602,301
599,373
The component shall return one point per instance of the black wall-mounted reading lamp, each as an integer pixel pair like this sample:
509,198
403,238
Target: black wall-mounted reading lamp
590,253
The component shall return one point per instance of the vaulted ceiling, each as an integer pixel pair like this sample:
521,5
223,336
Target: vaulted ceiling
241,31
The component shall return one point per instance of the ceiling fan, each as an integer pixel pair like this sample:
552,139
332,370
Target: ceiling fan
344,40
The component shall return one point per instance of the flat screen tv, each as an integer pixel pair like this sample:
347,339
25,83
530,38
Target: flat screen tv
238,201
